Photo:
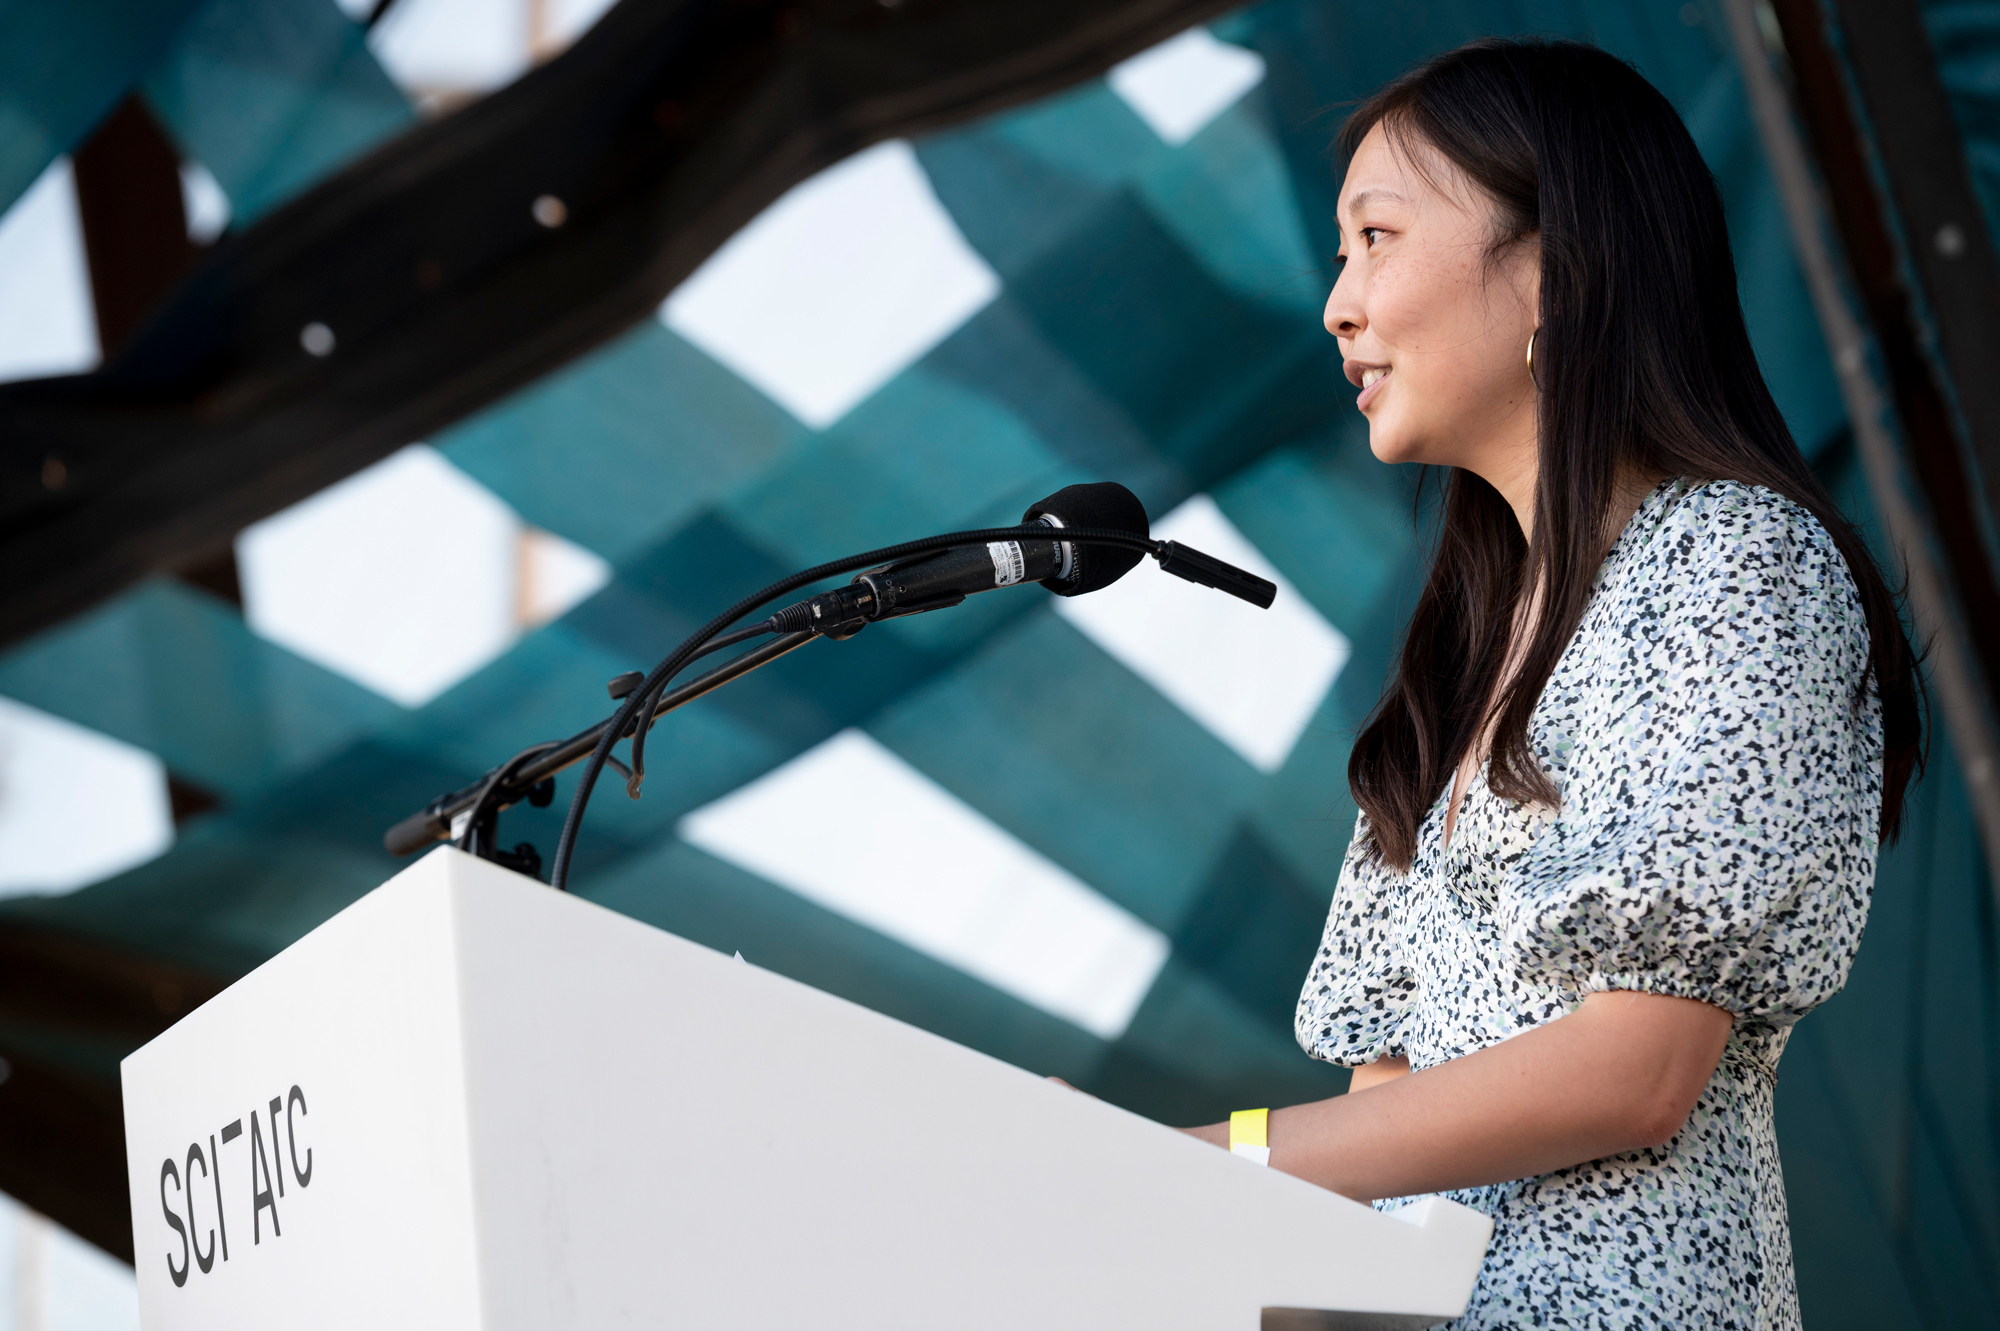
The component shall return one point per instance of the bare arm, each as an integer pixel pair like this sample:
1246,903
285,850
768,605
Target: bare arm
1621,1072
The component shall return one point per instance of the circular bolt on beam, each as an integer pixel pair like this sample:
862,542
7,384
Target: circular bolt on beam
550,211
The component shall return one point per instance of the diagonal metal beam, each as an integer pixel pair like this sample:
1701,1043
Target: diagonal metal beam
433,284
1922,261
1924,177
70,1007
1955,640
128,194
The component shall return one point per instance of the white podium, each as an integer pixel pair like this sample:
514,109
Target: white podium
467,1101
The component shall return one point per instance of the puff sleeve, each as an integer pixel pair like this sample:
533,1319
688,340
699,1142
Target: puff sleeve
1718,832
1359,987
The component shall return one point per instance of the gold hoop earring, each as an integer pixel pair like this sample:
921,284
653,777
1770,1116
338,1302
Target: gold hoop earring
1531,361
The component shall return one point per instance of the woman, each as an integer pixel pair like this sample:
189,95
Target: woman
1622,800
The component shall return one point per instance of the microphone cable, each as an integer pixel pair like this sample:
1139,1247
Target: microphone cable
691,647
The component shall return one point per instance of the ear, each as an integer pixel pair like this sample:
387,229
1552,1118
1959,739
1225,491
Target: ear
1525,268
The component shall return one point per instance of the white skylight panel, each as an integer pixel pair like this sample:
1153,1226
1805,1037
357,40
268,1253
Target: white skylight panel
554,575
1186,81
47,323
453,46
76,806
568,20
406,577
856,829
1253,677
51,1280
836,287
401,577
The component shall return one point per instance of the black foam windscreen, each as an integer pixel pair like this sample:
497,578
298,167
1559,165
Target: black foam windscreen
1099,504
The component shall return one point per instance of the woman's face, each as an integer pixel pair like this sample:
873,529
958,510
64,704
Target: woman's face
1433,327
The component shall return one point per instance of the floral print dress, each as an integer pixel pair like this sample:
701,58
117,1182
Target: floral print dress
1716,736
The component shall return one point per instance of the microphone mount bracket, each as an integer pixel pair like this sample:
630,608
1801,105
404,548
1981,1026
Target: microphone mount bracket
1185,561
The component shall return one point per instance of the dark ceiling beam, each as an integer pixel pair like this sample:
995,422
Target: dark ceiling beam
70,1007
135,241
62,1149
422,283
135,236
1921,163
1914,179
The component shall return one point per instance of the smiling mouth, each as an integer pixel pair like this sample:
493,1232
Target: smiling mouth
1371,384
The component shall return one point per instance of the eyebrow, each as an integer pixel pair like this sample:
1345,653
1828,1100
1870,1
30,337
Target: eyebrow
1371,195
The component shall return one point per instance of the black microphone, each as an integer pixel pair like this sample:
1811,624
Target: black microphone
1064,567
936,581
1091,568
949,576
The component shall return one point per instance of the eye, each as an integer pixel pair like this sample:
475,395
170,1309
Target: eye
1370,234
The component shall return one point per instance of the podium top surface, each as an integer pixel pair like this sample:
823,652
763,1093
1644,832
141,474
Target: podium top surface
468,1101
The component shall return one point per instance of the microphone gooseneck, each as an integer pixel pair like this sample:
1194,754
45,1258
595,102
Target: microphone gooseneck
1080,539
621,723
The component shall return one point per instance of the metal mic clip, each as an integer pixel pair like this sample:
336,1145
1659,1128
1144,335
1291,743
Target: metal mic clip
1187,562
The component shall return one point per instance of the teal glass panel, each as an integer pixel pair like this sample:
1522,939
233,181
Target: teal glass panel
63,67
620,449
271,95
177,672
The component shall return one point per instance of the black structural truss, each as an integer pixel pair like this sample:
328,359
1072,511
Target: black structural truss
473,254
1899,190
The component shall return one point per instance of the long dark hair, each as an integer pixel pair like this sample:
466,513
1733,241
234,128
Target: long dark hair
1644,367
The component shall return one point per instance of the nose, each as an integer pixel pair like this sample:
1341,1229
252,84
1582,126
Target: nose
1344,316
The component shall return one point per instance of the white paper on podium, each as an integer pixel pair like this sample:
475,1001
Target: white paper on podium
467,1101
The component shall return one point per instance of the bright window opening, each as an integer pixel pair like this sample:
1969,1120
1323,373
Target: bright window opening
1253,677
837,287
47,323
855,828
76,806
1185,82
407,577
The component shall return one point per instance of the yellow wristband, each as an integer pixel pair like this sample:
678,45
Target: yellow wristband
1250,1135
